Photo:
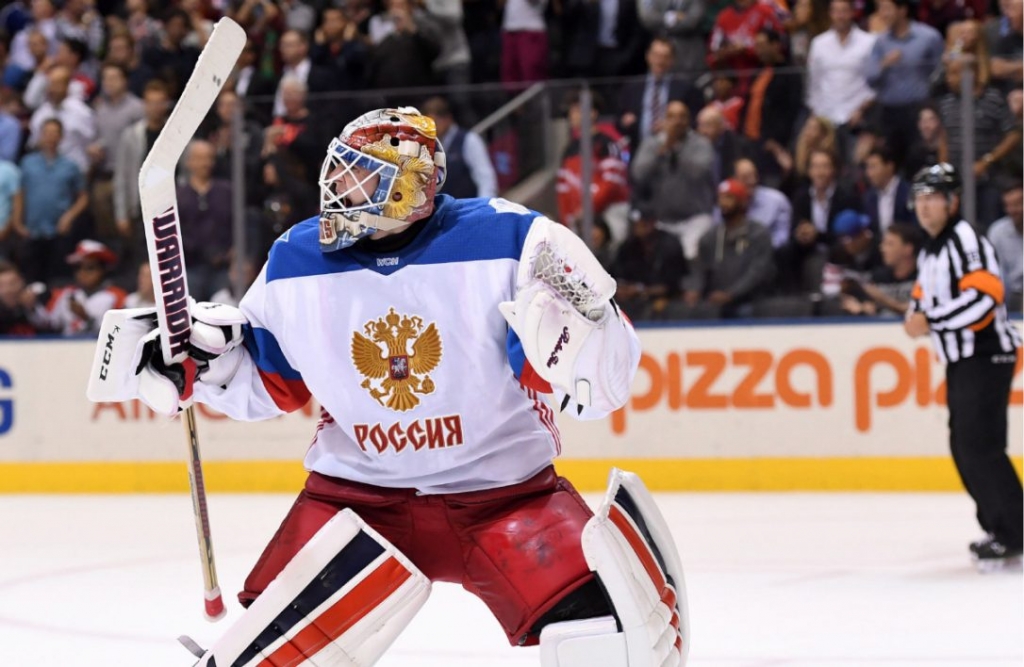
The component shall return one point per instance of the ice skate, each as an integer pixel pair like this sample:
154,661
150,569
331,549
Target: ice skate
991,555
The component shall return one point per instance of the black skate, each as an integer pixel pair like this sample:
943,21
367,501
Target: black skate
976,544
991,555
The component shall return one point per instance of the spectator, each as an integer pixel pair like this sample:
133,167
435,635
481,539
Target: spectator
220,134
452,65
649,267
1006,237
996,135
609,188
776,96
900,69
10,208
601,40
602,246
964,38
245,271
204,208
725,99
404,56
837,75
116,110
469,169
853,255
172,59
1012,166
79,308
294,136
808,21
731,45
817,134
298,15
734,263
72,55
296,64
143,29
524,42
143,296
887,198
76,118
132,150
888,292
766,206
1006,45
78,20
10,128
728,146
642,104
121,51
252,84
681,24
44,23
201,27
941,14
815,208
16,302
930,144
54,195
340,50
672,173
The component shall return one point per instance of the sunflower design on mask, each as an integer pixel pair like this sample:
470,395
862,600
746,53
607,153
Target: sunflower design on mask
424,124
414,175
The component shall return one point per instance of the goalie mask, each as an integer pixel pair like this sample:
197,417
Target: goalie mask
381,173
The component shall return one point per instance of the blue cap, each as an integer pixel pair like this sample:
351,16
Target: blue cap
850,223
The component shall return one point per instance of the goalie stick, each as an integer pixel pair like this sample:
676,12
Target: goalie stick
167,263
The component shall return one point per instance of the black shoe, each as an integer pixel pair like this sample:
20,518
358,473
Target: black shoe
976,544
992,555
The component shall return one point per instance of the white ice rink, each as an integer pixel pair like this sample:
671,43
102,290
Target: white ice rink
808,580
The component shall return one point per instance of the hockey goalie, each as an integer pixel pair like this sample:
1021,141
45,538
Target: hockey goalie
439,336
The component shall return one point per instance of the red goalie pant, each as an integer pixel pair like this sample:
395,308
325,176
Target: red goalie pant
517,548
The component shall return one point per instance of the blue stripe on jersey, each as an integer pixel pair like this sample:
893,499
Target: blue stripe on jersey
460,230
266,353
516,356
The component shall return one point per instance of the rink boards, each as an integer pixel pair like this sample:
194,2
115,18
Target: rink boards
748,406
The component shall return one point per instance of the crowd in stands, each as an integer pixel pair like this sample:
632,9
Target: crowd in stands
751,157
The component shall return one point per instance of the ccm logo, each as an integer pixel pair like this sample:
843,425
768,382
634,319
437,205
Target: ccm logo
108,351
562,340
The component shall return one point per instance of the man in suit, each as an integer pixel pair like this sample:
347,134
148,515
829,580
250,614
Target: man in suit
885,201
642,104
815,208
728,145
601,39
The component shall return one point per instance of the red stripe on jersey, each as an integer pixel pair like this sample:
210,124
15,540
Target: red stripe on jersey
547,418
529,378
289,395
367,595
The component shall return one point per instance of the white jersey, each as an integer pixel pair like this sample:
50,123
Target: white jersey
415,368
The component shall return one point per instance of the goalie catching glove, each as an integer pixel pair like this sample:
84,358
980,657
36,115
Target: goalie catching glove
573,334
129,364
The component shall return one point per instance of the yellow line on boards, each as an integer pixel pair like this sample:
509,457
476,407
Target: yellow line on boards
761,474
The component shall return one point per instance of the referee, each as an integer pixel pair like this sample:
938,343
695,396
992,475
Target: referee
958,299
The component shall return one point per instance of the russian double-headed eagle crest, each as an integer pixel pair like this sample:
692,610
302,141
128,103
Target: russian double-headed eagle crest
395,355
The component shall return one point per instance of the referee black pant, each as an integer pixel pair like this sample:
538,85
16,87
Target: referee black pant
978,393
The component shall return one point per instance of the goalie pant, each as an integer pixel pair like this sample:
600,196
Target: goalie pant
517,548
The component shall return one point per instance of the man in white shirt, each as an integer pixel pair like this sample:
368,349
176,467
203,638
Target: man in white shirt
77,119
837,84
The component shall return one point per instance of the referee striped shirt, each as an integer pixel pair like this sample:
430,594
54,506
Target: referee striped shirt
960,292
